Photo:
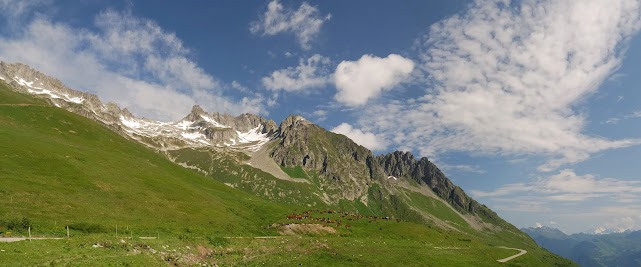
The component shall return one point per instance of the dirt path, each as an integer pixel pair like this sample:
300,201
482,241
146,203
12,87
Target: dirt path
16,239
521,253
11,239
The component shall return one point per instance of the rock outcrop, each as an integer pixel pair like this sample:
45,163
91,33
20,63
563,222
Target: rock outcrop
340,163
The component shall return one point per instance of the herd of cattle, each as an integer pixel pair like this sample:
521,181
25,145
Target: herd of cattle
308,215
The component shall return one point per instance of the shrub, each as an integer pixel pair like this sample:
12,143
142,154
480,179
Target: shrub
217,241
16,224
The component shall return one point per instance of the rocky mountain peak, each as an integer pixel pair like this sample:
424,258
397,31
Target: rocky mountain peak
291,122
197,110
125,112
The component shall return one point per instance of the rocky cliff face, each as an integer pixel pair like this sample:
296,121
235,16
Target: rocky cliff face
404,165
349,169
340,163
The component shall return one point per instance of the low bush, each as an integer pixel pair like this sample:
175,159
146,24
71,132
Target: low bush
16,224
217,241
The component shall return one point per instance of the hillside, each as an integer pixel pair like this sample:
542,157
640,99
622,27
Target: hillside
591,250
62,169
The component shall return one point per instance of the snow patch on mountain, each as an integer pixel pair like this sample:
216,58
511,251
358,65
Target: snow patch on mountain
253,135
184,125
194,136
34,90
213,122
197,131
600,230
254,138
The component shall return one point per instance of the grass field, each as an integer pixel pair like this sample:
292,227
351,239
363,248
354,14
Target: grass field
59,169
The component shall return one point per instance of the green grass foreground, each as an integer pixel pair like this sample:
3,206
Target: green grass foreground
59,169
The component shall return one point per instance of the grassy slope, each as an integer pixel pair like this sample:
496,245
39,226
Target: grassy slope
58,168
227,169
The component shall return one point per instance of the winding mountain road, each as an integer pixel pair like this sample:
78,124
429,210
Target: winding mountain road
521,253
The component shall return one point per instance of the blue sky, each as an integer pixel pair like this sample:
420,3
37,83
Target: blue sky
533,107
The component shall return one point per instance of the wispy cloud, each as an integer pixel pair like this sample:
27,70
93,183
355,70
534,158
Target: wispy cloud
305,22
569,186
320,115
125,59
14,11
505,78
521,205
461,168
310,73
615,120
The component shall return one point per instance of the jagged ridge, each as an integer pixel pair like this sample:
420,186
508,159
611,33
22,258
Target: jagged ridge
347,169
198,129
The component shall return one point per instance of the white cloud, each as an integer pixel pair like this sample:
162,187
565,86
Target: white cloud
508,78
127,60
366,139
624,223
238,86
320,115
305,22
568,186
529,205
364,79
310,73
538,225
461,168
615,120
14,9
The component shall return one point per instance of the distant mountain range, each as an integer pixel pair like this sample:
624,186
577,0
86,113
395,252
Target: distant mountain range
607,248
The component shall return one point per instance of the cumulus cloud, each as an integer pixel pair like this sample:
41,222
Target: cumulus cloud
310,73
569,186
305,22
507,78
366,139
125,59
364,79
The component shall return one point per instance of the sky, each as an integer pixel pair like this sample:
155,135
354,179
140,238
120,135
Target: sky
533,107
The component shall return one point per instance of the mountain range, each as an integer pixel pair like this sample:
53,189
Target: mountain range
290,167
591,249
